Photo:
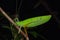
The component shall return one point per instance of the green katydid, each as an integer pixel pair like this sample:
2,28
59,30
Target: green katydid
35,21
32,22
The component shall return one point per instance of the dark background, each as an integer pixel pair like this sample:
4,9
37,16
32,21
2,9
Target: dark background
31,8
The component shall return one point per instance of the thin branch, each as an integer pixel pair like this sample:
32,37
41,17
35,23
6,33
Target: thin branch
26,32
20,4
37,4
16,6
5,14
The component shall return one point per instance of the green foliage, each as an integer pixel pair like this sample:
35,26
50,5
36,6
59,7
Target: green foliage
35,21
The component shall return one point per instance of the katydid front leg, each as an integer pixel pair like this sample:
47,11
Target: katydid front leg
17,20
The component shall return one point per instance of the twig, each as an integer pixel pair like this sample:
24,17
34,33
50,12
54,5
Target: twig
37,4
19,7
16,6
5,14
26,32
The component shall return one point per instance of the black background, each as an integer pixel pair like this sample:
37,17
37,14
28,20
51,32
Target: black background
50,30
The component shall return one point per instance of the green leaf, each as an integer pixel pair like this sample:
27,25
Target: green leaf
35,21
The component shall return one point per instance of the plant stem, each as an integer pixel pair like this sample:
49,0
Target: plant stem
26,33
15,36
5,14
